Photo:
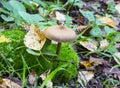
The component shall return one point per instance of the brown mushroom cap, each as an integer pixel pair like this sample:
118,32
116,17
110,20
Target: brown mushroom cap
60,33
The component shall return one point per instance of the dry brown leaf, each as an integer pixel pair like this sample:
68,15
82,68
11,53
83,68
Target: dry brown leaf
80,29
103,44
85,76
32,78
107,21
7,83
89,45
34,39
117,7
96,61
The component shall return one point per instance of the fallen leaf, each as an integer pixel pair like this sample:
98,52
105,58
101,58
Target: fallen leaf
25,27
89,45
7,83
34,39
49,84
60,17
80,29
103,44
107,21
84,77
117,7
32,78
96,61
4,39
86,64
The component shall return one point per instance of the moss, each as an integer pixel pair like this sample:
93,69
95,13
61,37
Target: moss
11,56
67,56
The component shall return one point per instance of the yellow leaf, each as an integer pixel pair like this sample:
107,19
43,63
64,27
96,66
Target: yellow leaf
86,64
4,39
34,39
107,21
89,45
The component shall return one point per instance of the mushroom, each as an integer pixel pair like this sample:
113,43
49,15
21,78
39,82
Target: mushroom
60,34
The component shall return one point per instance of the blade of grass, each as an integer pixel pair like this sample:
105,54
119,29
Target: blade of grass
52,74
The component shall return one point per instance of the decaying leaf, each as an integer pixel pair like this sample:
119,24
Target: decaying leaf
32,78
7,83
80,29
34,39
96,61
103,44
117,7
60,17
107,21
4,39
89,45
44,76
86,64
84,77
25,27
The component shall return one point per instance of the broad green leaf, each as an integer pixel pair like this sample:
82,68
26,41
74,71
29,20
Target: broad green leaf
8,19
17,5
96,31
31,18
33,52
6,5
108,30
88,14
52,74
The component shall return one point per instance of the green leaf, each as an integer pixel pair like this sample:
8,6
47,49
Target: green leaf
17,5
31,18
4,11
111,49
8,19
108,30
33,52
6,5
88,14
50,53
96,31
52,74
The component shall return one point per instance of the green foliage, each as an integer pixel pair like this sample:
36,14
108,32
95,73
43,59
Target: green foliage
111,7
88,14
96,31
15,55
52,74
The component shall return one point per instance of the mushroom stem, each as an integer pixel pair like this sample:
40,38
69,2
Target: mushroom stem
58,48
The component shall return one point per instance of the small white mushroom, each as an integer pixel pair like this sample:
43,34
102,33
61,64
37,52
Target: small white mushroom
60,34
